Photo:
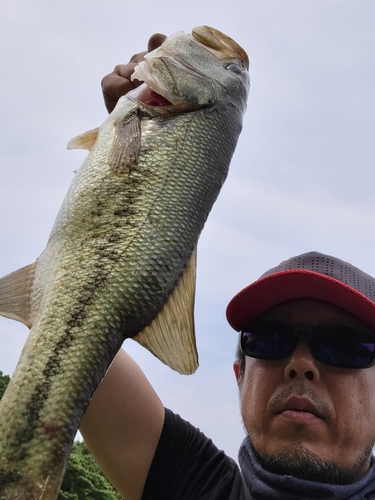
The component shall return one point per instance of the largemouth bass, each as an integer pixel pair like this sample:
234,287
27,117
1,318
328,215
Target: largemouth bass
120,260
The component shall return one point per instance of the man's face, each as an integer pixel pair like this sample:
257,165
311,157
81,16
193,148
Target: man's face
299,407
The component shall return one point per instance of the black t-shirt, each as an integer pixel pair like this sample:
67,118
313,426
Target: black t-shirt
188,466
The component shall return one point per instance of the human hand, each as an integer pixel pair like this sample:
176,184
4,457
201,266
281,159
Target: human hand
118,83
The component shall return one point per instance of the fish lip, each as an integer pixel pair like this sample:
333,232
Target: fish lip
296,403
141,93
151,85
145,73
149,94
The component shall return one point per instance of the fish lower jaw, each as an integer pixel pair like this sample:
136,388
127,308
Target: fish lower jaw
159,101
157,104
152,98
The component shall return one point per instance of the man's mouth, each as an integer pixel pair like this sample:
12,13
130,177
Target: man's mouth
300,410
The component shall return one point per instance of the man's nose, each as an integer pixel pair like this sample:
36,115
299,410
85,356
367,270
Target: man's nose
301,363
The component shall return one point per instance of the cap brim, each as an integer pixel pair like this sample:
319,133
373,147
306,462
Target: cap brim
270,291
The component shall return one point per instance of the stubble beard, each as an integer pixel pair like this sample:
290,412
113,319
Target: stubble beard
295,460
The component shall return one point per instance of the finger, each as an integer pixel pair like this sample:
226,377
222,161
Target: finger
114,86
138,57
125,70
119,83
155,41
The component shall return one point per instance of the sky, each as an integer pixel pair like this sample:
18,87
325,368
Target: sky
302,177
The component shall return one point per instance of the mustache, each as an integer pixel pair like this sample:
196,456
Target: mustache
277,401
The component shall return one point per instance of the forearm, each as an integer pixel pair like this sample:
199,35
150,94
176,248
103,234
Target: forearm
122,425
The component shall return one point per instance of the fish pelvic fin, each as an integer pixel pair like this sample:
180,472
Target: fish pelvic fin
126,147
171,336
15,291
84,141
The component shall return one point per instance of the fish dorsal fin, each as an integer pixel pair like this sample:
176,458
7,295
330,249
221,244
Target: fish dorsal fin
171,337
15,294
84,141
124,152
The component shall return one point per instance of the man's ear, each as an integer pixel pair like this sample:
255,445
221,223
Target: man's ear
237,371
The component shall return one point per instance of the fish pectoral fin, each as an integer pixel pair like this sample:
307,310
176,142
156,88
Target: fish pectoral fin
171,336
84,141
124,152
15,294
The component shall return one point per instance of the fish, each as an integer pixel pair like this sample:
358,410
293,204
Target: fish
120,261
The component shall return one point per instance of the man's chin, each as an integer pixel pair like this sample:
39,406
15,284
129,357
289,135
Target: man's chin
296,460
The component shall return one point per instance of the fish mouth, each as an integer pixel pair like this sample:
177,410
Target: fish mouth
152,98
158,94
154,93
157,101
155,97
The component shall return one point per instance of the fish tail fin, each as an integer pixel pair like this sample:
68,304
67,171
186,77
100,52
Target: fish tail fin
15,294
171,336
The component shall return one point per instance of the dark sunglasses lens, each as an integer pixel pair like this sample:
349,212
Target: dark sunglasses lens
344,347
267,341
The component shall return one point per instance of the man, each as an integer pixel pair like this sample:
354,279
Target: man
306,384
306,376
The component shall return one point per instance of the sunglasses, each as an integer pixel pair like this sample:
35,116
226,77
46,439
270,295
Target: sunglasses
333,345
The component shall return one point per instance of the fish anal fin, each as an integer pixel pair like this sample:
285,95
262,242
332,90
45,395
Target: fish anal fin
84,141
15,291
171,336
124,152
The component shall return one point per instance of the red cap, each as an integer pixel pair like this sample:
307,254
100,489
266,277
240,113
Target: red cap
312,275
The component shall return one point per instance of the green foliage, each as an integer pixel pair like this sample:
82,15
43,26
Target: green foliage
4,381
83,479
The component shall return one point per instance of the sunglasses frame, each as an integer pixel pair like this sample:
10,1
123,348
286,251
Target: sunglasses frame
309,330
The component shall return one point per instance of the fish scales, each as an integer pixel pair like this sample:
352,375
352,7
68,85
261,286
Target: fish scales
119,246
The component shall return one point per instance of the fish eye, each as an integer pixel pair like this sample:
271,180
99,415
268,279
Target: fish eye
235,68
